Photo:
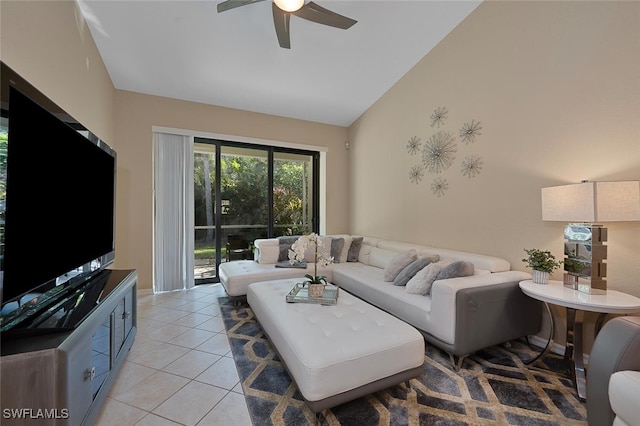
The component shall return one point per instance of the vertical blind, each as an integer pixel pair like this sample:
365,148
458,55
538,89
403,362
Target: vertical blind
173,240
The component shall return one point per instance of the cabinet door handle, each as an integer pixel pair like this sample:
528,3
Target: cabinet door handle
90,374
126,315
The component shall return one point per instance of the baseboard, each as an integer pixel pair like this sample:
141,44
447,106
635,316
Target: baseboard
555,347
145,292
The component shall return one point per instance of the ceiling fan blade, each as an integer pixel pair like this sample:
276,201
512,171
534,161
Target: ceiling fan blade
232,4
281,22
313,12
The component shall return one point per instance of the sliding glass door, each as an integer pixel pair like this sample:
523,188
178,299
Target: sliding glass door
244,192
293,193
205,161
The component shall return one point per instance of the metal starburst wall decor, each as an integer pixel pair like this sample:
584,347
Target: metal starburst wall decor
469,131
413,146
439,186
471,166
438,116
415,174
438,152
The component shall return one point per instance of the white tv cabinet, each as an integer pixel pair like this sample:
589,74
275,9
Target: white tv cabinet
63,378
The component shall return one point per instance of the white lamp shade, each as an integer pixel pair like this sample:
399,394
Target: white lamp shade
592,202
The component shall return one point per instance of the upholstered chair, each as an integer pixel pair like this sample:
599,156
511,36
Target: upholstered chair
624,388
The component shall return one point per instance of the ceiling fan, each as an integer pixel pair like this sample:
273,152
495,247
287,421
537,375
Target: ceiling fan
283,9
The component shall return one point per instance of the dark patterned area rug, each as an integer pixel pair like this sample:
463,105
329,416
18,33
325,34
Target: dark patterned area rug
493,387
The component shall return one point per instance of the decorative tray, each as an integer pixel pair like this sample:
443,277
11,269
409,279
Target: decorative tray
300,294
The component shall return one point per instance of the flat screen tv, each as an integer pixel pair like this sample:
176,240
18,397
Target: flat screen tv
57,218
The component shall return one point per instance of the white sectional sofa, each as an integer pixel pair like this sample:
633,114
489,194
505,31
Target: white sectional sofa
460,315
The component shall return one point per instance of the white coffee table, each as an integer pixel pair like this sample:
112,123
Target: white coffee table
576,303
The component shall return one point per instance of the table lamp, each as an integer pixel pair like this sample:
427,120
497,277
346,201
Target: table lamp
585,205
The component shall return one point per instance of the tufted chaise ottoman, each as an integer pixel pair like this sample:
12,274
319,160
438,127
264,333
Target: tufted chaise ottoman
236,276
336,353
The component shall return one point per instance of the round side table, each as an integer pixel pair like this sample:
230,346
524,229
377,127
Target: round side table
576,303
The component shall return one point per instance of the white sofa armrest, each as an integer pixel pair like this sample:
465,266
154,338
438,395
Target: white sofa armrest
267,250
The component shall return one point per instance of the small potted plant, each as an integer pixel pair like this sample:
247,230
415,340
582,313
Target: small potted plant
315,282
543,264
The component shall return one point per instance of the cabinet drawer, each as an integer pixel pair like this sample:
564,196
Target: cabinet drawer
117,330
122,323
129,312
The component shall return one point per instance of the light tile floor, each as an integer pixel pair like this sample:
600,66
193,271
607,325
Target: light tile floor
180,370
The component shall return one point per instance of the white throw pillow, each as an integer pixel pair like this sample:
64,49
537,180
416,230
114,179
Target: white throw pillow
398,263
422,281
309,255
413,268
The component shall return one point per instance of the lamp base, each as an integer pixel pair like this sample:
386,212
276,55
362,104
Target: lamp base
592,286
586,253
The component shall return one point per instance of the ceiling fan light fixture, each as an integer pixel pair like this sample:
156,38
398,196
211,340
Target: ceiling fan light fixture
289,5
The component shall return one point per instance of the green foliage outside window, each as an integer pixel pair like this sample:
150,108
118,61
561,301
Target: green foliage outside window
244,186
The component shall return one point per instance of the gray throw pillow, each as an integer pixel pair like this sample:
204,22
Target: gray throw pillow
398,263
285,244
336,248
354,250
413,268
456,269
288,264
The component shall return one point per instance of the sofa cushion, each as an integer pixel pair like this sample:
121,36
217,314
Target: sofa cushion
364,255
336,248
422,281
378,257
398,263
413,268
456,269
354,249
397,246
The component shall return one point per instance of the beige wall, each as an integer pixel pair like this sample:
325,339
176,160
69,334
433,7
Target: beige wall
48,43
556,86
136,114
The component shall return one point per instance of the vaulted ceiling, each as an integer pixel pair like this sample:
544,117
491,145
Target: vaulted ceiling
185,49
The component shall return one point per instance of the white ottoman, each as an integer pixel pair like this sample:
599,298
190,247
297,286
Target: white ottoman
336,353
